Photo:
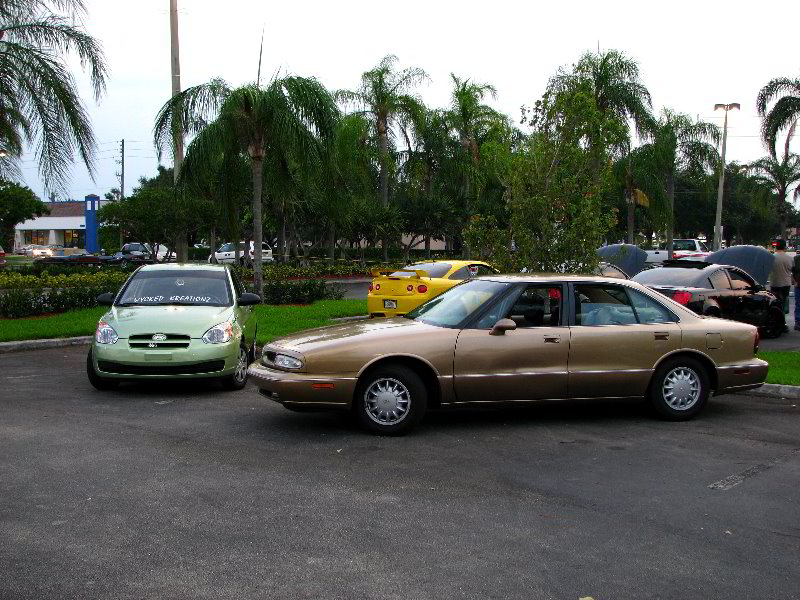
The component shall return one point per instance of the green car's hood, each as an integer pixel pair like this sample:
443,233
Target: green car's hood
193,321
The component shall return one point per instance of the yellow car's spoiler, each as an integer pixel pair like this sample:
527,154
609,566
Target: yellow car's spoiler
418,272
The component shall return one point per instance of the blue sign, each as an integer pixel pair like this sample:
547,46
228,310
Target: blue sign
90,213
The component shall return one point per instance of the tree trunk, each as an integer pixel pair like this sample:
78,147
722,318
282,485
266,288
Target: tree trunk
281,245
212,241
383,178
258,181
671,224
332,244
631,218
427,246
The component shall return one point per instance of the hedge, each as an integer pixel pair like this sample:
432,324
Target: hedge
110,280
279,272
21,302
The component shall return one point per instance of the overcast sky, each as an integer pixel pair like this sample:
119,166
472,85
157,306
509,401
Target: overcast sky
691,55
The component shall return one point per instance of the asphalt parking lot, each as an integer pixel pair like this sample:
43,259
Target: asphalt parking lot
186,491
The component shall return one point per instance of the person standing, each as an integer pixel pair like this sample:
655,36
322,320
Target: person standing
796,276
780,279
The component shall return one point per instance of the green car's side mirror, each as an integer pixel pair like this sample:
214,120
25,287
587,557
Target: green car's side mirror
106,299
248,299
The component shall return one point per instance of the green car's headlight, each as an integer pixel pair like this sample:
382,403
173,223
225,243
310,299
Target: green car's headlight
105,334
219,334
287,362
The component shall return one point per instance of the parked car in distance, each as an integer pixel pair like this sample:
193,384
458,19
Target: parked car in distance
605,269
502,338
3,260
37,250
688,248
394,293
226,253
175,321
717,291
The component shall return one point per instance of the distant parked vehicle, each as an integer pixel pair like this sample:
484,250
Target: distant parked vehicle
226,254
694,249
37,250
2,257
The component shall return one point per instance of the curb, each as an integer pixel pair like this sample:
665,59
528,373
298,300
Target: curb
23,345
774,390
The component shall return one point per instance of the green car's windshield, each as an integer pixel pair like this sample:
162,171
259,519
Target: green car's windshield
182,287
457,304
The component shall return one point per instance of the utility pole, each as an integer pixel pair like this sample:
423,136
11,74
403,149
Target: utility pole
182,250
122,175
718,220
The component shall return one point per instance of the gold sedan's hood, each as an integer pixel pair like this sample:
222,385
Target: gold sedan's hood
333,335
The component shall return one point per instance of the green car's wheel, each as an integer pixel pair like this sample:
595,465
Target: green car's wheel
99,383
238,379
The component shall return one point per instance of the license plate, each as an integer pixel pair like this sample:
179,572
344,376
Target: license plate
390,304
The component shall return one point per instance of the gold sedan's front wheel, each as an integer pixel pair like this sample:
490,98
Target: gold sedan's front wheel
390,400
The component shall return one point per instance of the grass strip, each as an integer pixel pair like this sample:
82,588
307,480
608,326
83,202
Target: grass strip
784,367
273,321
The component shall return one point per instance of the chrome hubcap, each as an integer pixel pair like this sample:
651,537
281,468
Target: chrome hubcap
681,388
387,401
241,367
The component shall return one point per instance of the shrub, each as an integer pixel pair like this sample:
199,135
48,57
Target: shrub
299,292
199,253
10,280
26,303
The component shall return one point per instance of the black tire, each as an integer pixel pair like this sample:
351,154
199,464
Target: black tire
689,375
98,382
406,390
238,379
776,321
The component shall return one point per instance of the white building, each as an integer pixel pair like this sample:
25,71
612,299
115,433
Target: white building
69,224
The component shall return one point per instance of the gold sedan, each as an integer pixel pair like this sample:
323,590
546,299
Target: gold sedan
502,339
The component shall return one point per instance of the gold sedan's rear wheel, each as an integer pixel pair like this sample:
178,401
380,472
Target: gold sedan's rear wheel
390,400
680,389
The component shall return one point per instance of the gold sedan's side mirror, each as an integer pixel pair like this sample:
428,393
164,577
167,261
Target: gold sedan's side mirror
502,326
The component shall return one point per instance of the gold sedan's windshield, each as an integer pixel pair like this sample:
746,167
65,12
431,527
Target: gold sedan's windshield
457,304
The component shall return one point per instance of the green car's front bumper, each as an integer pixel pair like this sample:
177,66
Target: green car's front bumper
197,359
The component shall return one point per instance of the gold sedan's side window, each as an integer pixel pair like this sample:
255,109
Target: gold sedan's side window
602,305
535,306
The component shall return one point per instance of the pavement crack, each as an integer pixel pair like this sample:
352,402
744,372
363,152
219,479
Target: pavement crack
733,480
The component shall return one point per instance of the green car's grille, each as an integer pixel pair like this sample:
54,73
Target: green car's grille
155,341
193,369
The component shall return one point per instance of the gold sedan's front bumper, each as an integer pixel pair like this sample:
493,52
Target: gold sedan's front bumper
303,389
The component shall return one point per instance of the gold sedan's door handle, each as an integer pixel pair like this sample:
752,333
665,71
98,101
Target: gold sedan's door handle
661,335
552,339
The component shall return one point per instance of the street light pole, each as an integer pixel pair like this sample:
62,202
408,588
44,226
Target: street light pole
718,220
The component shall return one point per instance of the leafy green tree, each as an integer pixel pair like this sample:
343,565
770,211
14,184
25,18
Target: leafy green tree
289,115
38,95
782,114
17,204
384,98
779,175
619,95
557,217
679,143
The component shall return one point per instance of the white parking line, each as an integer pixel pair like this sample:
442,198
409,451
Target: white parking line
737,478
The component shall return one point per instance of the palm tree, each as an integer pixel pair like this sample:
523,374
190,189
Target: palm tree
384,97
289,115
679,143
614,81
39,101
470,118
784,113
779,175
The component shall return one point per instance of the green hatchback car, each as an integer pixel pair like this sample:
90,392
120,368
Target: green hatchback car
175,321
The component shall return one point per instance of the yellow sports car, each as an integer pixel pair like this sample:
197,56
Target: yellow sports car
394,293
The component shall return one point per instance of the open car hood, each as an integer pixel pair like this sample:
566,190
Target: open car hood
627,257
754,260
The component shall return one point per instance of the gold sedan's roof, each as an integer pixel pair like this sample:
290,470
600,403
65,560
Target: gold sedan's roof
549,277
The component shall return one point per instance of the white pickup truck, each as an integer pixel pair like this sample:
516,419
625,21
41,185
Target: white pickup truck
680,249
